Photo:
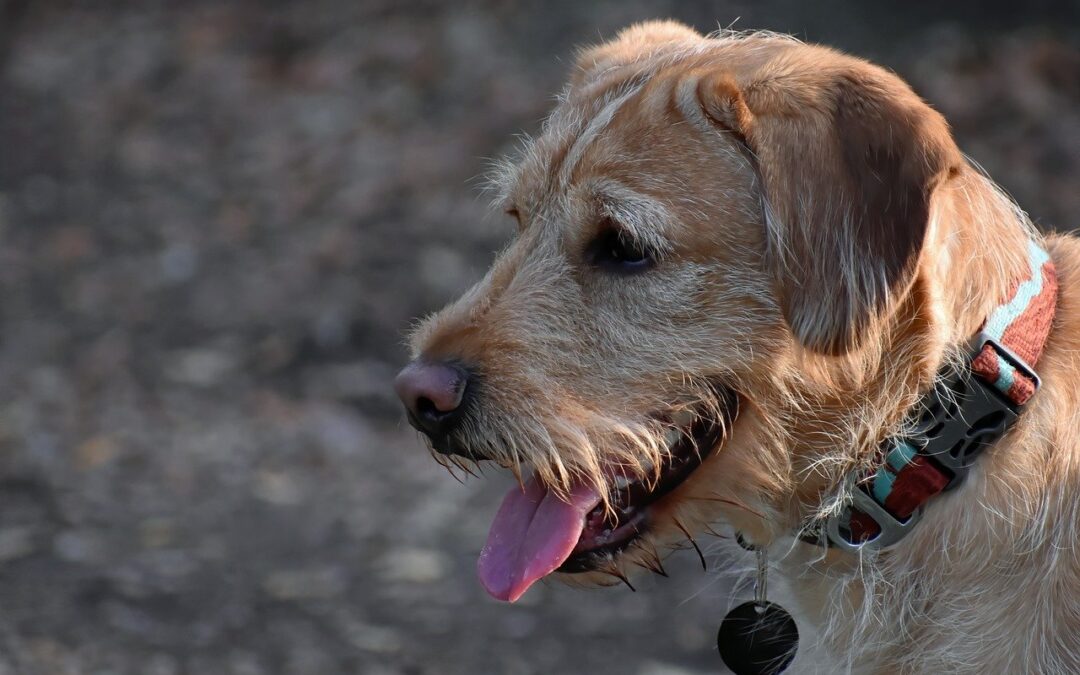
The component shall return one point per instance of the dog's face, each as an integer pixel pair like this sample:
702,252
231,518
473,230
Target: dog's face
693,220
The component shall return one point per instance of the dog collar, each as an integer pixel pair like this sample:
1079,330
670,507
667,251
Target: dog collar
968,408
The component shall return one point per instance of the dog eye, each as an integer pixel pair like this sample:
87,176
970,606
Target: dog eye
616,251
514,213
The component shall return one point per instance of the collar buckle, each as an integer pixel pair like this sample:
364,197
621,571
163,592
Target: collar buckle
890,529
964,414
956,421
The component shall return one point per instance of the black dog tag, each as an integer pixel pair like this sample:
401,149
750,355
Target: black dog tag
758,638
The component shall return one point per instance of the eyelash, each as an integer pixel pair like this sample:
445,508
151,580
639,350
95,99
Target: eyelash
615,251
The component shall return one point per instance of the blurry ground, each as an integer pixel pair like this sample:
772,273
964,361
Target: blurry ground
217,219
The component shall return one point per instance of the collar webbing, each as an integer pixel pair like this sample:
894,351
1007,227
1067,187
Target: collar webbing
956,420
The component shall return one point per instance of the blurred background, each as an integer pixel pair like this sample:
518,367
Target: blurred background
217,219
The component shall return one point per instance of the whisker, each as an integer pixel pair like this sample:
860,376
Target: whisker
656,561
709,530
464,467
729,502
653,565
515,468
622,577
701,556
445,462
613,570
646,566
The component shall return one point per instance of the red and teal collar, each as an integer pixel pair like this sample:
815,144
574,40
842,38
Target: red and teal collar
965,412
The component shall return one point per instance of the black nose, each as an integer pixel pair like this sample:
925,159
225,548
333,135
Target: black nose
433,392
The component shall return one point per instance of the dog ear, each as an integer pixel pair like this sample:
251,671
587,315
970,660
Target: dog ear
628,46
848,158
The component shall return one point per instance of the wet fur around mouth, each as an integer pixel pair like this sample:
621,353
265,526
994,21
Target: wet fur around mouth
615,527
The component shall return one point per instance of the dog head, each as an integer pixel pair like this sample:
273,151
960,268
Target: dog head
706,227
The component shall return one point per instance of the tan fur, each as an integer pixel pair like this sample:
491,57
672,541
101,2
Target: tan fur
824,247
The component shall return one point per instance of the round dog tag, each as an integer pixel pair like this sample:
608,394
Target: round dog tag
758,638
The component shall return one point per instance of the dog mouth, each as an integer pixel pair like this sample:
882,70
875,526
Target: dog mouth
536,532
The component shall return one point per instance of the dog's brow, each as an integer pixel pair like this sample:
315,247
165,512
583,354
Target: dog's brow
595,126
499,181
646,219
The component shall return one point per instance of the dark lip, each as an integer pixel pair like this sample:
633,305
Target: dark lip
631,504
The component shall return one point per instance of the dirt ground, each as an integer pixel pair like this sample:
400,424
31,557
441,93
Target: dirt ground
217,220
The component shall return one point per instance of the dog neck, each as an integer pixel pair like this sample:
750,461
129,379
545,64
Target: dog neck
979,239
1005,295
971,405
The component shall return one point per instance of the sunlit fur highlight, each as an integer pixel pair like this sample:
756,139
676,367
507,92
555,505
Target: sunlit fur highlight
575,369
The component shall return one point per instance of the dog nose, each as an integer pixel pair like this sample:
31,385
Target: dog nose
432,392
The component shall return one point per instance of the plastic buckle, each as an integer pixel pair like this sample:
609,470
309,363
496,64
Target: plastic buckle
963,415
958,419
890,530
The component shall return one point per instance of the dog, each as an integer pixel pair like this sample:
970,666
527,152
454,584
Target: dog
744,267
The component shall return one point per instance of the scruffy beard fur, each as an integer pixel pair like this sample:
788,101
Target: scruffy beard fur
762,285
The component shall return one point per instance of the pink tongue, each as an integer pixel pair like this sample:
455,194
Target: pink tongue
532,534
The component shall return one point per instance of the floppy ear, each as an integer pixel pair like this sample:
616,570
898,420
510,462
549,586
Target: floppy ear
848,158
631,44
